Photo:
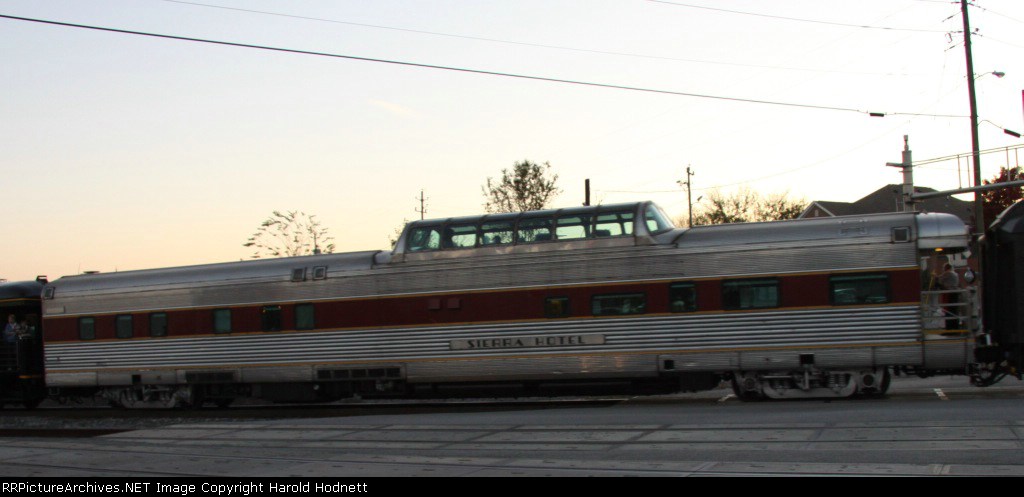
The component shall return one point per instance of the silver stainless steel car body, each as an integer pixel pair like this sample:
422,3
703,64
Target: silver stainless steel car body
639,346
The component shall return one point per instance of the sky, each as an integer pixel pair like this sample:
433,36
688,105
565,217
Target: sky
122,152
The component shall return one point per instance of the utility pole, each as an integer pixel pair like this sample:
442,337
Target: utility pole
586,195
423,209
689,195
979,212
908,175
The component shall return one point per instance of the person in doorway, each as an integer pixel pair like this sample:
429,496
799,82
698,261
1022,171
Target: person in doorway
12,330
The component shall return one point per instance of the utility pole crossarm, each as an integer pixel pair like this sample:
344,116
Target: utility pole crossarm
945,193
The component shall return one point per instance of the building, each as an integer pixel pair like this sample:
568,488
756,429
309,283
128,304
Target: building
889,198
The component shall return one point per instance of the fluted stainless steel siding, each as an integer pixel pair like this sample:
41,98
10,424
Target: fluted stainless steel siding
631,345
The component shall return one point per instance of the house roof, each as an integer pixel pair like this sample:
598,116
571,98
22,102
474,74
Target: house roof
889,199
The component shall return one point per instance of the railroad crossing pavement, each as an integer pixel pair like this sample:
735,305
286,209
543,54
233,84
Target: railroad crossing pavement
321,449
913,431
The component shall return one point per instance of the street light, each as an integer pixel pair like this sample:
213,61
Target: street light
1006,131
997,74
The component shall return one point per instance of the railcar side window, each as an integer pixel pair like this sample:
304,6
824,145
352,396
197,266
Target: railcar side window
124,326
750,294
222,321
613,224
496,233
682,297
556,307
859,289
460,236
619,304
305,319
428,238
158,324
656,220
534,230
271,318
572,227
86,328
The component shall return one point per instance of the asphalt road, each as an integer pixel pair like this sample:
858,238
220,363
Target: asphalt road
926,427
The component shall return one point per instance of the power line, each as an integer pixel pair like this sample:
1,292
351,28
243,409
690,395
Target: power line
996,13
642,191
796,19
468,70
966,154
986,37
537,45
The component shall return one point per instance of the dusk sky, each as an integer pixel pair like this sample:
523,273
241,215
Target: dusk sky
124,152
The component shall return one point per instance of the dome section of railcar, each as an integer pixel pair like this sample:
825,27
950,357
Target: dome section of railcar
625,224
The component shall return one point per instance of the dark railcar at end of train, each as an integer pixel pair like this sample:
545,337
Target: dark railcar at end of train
1000,349
21,349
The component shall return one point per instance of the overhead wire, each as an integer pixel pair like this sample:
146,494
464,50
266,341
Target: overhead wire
463,69
535,45
966,154
986,9
796,19
802,82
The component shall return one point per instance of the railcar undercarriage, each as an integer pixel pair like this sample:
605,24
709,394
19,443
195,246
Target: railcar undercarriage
224,394
810,383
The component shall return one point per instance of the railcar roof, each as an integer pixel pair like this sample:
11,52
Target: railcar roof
20,290
227,272
1011,220
828,228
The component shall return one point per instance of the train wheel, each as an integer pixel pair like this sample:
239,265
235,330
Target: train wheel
746,387
125,399
878,386
883,387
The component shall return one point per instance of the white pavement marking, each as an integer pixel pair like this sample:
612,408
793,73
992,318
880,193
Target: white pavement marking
938,391
727,397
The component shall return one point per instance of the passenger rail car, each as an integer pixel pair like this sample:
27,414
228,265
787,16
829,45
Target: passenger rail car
533,303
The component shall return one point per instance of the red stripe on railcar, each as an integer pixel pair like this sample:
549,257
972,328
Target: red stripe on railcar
796,291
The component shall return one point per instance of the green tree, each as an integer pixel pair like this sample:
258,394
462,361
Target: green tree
289,234
527,187
745,206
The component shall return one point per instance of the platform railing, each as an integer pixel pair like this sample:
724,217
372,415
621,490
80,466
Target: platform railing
951,310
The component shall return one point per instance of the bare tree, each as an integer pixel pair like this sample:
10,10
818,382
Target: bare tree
746,206
527,187
289,234
778,207
397,233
